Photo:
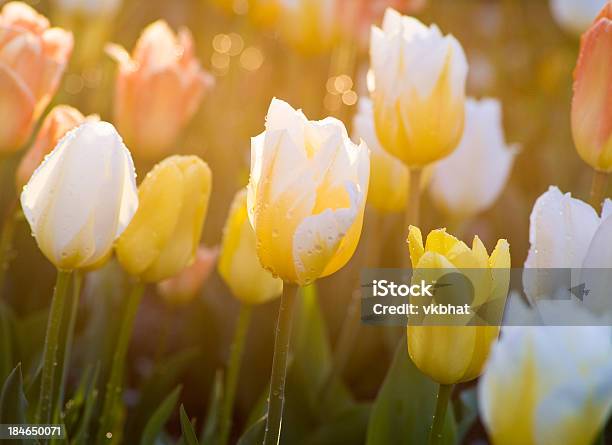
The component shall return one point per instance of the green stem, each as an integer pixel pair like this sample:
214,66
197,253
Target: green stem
45,401
279,365
74,306
6,242
437,427
413,208
598,189
114,385
233,369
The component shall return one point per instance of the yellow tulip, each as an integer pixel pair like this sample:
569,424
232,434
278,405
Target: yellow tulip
164,235
306,194
389,177
238,263
456,353
418,89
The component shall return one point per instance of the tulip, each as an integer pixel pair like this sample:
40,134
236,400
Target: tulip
471,178
164,234
558,376
307,221
356,16
306,197
33,57
418,89
453,354
565,232
58,122
309,26
182,288
575,16
238,263
591,115
158,90
389,177
82,197
160,242
250,283
77,202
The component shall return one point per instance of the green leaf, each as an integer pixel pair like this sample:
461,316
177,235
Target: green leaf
7,353
404,407
13,403
165,376
211,426
189,435
254,434
348,427
160,417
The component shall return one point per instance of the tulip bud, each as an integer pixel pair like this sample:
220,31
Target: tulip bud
418,89
33,57
575,16
452,354
591,114
389,177
238,264
184,287
164,234
471,178
558,376
158,90
82,197
306,194
57,123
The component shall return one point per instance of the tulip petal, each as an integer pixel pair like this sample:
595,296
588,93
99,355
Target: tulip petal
415,245
318,237
560,231
16,111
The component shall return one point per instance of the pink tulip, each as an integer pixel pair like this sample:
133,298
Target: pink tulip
56,124
183,287
33,57
592,102
159,88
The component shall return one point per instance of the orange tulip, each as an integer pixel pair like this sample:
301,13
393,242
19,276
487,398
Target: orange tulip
182,288
33,57
159,88
592,102
57,123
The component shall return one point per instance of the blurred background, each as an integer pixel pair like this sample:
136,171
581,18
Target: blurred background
318,62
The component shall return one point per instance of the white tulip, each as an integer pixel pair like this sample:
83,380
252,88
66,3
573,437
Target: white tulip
560,377
389,177
82,197
89,7
575,16
306,195
418,82
471,178
565,232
